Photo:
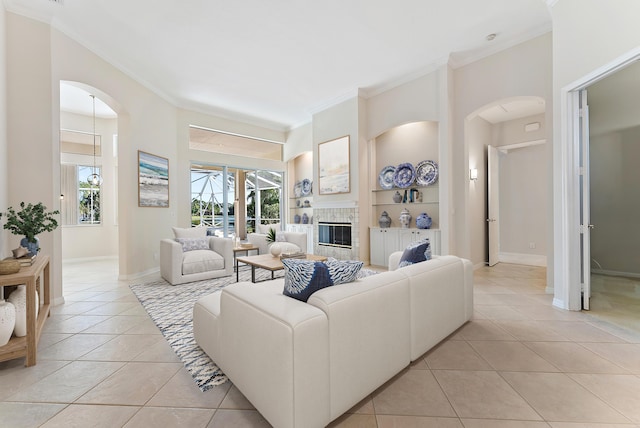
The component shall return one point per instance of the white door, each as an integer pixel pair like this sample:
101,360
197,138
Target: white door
493,203
585,226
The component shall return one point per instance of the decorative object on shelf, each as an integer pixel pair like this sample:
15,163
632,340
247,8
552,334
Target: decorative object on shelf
298,203
310,219
297,189
405,218
384,221
397,197
153,180
413,195
275,249
404,175
306,187
426,173
19,299
296,219
385,178
305,218
306,204
19,252
333,166
7,321
404,197
423,221
29,221
7,267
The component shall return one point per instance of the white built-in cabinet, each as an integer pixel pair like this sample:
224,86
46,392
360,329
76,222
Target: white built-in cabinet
384,241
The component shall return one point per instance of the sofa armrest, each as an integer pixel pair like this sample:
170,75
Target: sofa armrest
224,247
275,349
297,238
260,241
170,260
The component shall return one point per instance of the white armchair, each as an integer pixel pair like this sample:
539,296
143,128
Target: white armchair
293,241
205,257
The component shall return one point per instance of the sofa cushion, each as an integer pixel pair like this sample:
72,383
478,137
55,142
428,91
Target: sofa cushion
191,244
280,236
189,232
302,278
198,261
416,252
287,247
343,271
264,228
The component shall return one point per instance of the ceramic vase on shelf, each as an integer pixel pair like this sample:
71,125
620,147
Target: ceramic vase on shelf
423,221
31,246
19,299
384,221
397,197
7,321
296,219
405,218
305,218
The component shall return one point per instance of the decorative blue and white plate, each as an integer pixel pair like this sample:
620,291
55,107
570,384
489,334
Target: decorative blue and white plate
404,175
385,178
306,187
426,173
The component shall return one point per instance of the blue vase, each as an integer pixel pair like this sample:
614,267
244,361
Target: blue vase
33,247
423,221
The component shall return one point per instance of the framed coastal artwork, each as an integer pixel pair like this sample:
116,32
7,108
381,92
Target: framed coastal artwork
153,180
333,166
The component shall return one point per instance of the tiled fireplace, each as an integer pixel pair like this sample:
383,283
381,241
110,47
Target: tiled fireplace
330,224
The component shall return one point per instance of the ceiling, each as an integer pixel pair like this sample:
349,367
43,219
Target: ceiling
275,63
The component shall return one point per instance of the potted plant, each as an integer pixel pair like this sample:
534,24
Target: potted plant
271,235
30,221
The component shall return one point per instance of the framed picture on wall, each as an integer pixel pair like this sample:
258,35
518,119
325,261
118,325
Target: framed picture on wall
333,166
153,180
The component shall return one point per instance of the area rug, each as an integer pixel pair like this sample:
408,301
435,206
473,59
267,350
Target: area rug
171,309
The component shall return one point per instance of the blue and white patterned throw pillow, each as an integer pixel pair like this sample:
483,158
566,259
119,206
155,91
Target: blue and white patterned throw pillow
191,244
343,271
302,278
416,252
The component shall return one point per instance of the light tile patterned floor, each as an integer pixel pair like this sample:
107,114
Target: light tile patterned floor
519,363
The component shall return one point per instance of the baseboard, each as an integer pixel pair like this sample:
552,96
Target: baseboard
523,259
89,259
138,275
479,265
57,301
615,273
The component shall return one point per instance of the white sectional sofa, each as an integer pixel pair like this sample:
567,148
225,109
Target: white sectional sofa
305,364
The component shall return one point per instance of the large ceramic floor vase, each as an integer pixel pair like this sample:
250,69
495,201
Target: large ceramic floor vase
7,321
19,299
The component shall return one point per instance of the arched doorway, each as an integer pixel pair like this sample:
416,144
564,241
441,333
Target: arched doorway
88,144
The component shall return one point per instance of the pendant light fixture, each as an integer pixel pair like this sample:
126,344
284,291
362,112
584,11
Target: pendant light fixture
94,179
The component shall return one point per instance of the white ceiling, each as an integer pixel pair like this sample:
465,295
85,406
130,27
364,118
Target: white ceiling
277,62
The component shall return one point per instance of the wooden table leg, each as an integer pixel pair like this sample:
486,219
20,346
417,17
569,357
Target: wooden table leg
31,322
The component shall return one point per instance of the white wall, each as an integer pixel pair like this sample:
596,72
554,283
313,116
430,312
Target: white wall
478,134
299,140
523,70
4,165
79,241
589,36
615,201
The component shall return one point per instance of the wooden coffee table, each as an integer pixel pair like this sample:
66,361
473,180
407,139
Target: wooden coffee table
268,262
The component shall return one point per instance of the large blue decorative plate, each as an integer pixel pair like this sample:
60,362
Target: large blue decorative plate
426,173
306,187
404,175
385,178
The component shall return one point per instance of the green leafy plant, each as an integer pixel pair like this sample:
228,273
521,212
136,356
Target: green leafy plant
271,235
30,220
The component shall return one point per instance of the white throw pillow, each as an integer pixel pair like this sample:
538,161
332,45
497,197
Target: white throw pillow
264,228
190,232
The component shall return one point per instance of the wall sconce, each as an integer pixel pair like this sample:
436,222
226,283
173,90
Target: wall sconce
473,174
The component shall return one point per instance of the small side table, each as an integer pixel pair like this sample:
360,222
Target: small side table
246,250
27,345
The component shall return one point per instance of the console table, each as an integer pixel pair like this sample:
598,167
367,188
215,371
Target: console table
30,275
